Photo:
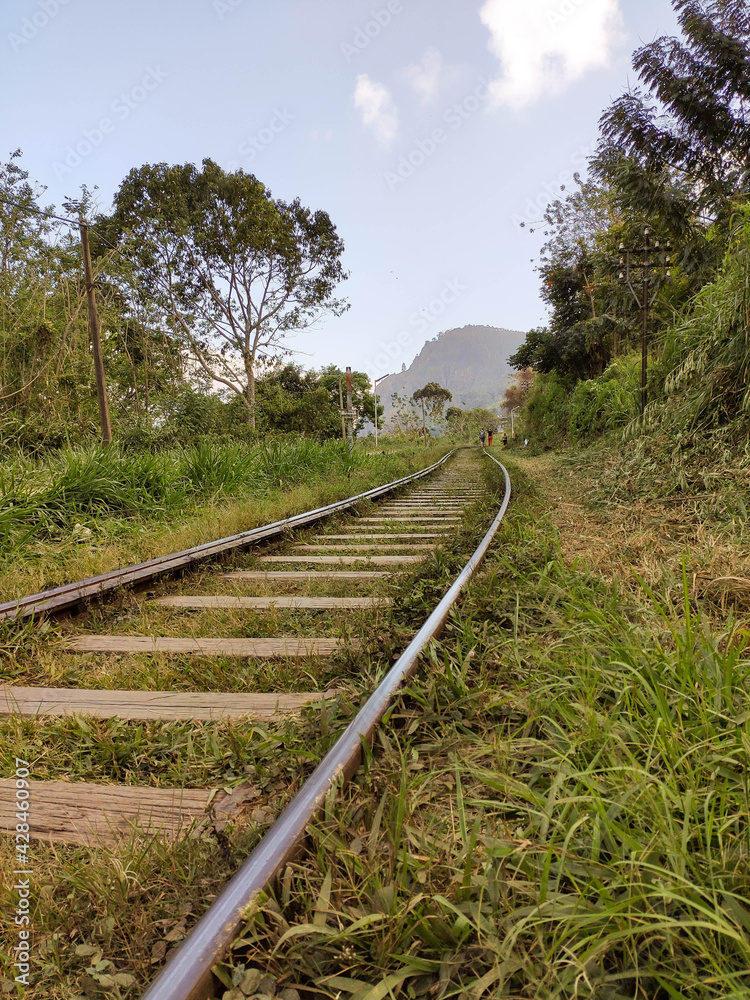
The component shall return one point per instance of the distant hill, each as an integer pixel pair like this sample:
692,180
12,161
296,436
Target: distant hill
471,361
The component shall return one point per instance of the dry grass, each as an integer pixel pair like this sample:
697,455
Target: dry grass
649,539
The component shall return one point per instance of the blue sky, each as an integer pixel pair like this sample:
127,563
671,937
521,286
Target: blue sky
427,129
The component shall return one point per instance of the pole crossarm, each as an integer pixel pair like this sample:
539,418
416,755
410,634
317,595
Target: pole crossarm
640,265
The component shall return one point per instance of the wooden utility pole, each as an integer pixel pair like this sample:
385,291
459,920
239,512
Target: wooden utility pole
96,339
341,411
349,409
654,257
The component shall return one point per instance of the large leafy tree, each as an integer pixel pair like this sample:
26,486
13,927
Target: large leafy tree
575,286
680,144
234,271
432,398
307,402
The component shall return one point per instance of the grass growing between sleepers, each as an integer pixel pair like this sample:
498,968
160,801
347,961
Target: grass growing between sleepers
557,809
104,919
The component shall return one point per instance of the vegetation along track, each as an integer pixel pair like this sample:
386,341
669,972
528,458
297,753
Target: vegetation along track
310,604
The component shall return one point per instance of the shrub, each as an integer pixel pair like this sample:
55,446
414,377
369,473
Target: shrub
602,404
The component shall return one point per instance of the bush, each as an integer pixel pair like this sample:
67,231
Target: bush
602,404
546,414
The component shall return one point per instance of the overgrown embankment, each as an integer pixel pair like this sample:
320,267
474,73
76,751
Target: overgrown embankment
88,510
559,808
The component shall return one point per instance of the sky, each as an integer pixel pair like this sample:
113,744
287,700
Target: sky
429,130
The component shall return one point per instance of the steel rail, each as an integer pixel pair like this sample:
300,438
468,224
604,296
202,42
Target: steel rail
71,594
188,974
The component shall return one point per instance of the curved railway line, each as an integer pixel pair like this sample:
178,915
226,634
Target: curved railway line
330,586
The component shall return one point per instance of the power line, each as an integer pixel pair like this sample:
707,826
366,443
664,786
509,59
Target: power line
35,210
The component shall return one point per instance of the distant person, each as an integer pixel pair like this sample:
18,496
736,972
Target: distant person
505,439
481,439
526,442
489,438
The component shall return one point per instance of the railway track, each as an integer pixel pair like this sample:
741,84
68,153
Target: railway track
285,600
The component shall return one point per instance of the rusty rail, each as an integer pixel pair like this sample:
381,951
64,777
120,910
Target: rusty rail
71,594
188,975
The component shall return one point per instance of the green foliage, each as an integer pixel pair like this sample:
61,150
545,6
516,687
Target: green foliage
434,397
700,419
602,404
548,410
225,266
464,425
78,488
576,286
673,159
691,122
708,352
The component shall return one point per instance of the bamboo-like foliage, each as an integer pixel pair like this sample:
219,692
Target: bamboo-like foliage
708,385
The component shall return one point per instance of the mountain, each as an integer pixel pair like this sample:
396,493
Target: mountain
471,361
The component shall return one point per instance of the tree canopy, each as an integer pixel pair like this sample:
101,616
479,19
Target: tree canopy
234,272
687,127
433,397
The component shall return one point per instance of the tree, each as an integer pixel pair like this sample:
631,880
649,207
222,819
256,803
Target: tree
363,400
234,271
307,402
518,391
576,286
433,398
685,139
467,423
403,419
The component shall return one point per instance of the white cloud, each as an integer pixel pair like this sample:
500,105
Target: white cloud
427,76
544,45
379,112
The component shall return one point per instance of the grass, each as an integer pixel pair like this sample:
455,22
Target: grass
557,808
104,920
562,810
87,512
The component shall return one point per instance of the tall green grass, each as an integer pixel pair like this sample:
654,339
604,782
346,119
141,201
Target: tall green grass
559,809
39,500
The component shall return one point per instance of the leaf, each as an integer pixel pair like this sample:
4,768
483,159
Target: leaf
124,979
323,903
86,950
158,952
384,987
